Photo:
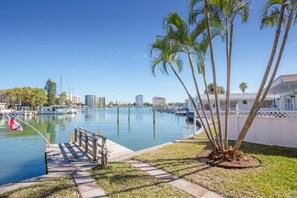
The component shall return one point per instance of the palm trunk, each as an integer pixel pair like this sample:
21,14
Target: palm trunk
289,22
228,85
210,105
199,97
255,107
195,107
214,76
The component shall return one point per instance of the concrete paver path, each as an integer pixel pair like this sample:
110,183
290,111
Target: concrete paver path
191,188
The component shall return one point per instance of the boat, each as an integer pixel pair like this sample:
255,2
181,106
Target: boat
181,112
54,109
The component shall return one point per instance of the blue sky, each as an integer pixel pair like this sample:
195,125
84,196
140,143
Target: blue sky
101,47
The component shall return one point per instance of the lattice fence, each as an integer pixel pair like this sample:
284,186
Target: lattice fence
273,114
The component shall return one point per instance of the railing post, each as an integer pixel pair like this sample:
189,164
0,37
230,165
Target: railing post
75,135
94,148
86,143
80,136
104,153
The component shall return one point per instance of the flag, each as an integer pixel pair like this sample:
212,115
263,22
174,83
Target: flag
13,125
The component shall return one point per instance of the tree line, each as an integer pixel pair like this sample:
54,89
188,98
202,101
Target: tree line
28,96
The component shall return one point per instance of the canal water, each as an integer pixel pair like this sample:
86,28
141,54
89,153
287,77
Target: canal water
22,152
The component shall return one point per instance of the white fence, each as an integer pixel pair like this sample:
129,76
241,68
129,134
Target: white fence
269,128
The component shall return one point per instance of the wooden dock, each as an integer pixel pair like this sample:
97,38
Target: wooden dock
84,153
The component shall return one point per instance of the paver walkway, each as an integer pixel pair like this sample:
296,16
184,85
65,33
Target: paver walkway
193,189
70,158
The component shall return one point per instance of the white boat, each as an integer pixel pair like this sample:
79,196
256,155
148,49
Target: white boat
54,109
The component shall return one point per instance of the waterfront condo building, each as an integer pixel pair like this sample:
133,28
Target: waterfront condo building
101,101
91,100
139,100
158,101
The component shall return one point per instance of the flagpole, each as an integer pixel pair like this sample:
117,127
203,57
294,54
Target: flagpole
32,128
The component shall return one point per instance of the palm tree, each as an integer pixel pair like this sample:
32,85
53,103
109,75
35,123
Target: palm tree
178,32
166,55
243,86
204,8
221,89
228,11
275,12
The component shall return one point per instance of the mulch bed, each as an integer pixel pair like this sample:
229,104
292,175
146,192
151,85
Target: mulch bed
247,161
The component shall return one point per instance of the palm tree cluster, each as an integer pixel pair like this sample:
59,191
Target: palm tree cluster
207,20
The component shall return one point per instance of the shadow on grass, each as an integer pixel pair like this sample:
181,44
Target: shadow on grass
45,189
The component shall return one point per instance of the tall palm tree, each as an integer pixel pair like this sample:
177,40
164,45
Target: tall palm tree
178,32
228,10
243,86
204,8
275,12
166,55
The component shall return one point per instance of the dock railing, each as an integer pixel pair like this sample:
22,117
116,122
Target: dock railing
93,144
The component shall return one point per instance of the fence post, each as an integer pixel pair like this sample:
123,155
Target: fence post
80,135
94,148
86,143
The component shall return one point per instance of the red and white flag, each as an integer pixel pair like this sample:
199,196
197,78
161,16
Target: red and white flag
13,125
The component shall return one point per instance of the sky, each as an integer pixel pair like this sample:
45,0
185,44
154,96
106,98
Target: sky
101,47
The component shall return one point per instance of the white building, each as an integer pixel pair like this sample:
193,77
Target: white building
244,101
101,101
286,87
139,100
158,101
91,100
2,106
282,96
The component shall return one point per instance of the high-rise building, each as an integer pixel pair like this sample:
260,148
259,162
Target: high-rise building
158,101
139,100
101,101
91,100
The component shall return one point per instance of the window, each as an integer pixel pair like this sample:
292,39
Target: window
244,102
267,104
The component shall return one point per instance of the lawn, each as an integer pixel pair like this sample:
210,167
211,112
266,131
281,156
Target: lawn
120,179
58,187
276,178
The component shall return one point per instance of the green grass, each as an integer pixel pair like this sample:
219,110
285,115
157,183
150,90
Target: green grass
58,187
121,179
276,178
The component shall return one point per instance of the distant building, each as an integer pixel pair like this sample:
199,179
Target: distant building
74,99
91,100
139,100
158,101
2,106
101,101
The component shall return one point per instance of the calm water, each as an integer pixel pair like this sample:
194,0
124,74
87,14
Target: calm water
22,152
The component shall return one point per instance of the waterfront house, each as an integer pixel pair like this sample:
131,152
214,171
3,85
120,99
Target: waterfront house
241,101
282,96
286,87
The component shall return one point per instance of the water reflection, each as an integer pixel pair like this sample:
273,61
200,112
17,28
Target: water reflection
137,131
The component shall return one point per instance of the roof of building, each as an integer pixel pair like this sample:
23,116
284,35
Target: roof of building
284,83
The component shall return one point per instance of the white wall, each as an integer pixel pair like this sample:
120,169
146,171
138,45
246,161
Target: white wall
266,130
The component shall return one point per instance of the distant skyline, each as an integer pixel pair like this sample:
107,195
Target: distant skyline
101,48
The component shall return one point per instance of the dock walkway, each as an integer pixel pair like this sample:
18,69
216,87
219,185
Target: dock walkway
72,159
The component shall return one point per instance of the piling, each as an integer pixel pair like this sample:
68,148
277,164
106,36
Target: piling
129,114
118,114
154,115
